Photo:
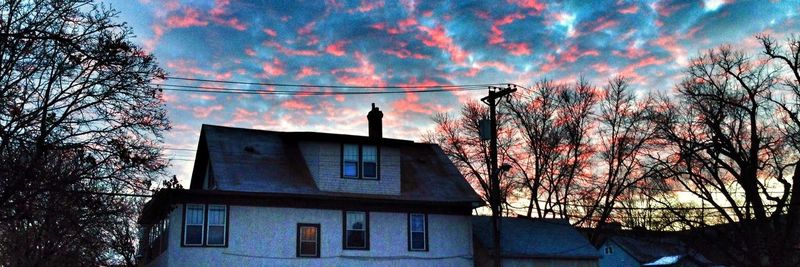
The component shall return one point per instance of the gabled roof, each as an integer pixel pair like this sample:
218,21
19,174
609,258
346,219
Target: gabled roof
270,162
650,249
534,238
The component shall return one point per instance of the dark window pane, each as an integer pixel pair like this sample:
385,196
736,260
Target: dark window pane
417,240
194,235
216,235
308,248
355,239
417,222
350,169
370,169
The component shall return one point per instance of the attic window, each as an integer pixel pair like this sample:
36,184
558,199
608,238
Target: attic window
360,161
609,250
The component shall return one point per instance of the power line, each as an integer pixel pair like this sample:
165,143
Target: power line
226,90
334,86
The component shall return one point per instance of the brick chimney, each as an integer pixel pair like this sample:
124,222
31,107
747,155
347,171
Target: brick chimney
375,125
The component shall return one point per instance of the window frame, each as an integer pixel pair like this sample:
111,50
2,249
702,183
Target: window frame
299,240
344,230
224,226
204,242
425,232
360,162
185,226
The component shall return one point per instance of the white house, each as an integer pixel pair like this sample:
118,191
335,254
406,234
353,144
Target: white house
267,198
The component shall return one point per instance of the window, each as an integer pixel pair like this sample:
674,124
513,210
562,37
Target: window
609,250
369,161
360,161
216,225
193,229
350,161
205,225
417,232
308,240
356,230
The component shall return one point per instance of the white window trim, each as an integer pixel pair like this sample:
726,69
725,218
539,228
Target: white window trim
186,225
364,176
224,225
316,244
365,230
411,231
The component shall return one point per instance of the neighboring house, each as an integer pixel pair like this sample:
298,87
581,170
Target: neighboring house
533,242
267,198
644,250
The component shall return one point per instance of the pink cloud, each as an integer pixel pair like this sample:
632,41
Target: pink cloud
337,48
250,52
363,75
291,51
632,9
496,35
367,6
204,112
186,68
403,52
305,72
190,18
294,104
270,32
275,68
378,26
517,49
307,29
437,37
243,115
602,23
534,4
668,9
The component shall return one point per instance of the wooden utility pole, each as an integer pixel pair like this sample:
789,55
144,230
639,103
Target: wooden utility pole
495,93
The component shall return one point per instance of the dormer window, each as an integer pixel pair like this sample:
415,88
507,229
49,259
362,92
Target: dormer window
369,162
350,161
360,161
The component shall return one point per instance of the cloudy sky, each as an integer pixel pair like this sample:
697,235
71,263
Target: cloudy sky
386,43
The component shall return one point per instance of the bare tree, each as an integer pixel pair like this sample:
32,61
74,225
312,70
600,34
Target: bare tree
787,98
723,144
552,121
80,123
625,137
460,140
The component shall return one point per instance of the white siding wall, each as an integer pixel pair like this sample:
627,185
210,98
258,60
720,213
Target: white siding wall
266,236
324,163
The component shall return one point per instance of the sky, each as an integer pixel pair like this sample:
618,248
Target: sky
407,42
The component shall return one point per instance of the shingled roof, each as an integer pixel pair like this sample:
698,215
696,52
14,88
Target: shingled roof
650,249
534,238
270,162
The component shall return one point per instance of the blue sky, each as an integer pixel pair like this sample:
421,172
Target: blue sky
377,43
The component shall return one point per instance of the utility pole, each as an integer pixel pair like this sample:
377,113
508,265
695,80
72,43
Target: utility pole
495,93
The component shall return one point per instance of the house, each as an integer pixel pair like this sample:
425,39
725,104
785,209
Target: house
533,242
269,198
649,250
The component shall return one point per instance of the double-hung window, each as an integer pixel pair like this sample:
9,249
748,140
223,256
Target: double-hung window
193,228
205,225
417,232
350,161
216,225
369,162
360,161
356,230
308,240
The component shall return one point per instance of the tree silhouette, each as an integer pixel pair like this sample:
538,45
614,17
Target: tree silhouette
79,124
